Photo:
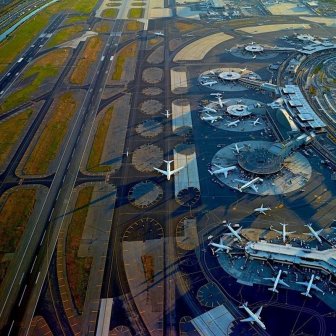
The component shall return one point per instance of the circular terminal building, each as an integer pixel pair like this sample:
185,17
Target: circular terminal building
239,110
260,161
254,48
229,76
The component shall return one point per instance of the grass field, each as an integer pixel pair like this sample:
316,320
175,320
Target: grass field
76,19
133,26
64,35
45,67
185,27
23,36
110,13
49,143
93,164
15,211
78,268
10,132
128,51
90,54
135,13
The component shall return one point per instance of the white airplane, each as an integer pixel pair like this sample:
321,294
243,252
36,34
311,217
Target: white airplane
167,114
310,285
209,109
248,184
210,83
233,123
276,281
283,232
168,172
159,34
262,210
220,246
219,99
314,233
256,122
221,170
233,232
254,317
237,149
211,118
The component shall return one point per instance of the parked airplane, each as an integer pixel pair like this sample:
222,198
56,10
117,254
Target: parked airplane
256,122
168,172
233,123
219,99
262,210
314,233
276,281
310,285
221,170
210,83
167,114
236,148
159,34
233,232
220,246
209,109
283,232
254,317
211,118
248,184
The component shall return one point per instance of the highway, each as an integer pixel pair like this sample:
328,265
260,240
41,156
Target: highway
23,293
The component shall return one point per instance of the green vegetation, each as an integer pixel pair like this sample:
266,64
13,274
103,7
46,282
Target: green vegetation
135,13
11,130
20,39
110,13
78,268
49,143
23,36
64,35
317,69
129,51
76,19
89,56
138,4
97,148
16,208
45,67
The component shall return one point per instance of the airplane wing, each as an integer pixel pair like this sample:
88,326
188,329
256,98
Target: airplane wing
302,283
241,181
283,283
259,311
290,232
316,288
272,279
161,171
216,165
248,319
277,231
176,170
319,231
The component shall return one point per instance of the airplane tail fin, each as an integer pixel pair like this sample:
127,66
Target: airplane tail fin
170,161
211,172
306,294
273,290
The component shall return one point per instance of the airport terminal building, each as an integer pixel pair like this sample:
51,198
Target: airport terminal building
287,254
